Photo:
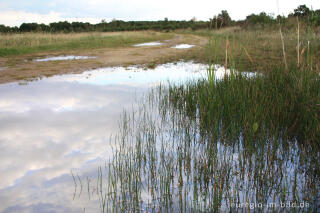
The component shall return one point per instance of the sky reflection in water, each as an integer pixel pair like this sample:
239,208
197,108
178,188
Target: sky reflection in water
64,123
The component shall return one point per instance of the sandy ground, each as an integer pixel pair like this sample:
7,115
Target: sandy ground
23,67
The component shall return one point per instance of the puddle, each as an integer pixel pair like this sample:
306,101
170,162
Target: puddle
183,46
137,76
60,124
148,44
56,125
62,58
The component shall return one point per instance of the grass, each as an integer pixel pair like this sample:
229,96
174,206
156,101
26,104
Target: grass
217,147
29,43
240,143
280,104
261,50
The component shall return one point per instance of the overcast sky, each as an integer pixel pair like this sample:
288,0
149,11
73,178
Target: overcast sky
15,12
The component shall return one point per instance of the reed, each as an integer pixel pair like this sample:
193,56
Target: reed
237,144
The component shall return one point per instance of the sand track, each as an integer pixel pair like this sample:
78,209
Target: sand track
23,67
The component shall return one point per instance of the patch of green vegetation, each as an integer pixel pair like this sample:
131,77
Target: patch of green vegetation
72,42
222,145
282,104
260,49
151,65
203,147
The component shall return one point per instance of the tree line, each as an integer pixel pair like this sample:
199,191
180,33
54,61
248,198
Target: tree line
115,25
223,19
302,12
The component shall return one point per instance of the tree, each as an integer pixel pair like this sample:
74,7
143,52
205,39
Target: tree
28,27
224,18
262,19
314,18
301,11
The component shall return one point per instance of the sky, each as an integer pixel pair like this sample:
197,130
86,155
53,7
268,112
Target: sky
16,12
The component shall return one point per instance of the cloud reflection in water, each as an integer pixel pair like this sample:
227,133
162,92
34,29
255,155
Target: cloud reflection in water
64,123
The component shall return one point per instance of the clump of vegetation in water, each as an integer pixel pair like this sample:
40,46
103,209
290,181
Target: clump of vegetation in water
239,143
245,142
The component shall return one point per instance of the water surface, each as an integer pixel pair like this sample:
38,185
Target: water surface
183,46
63,58
58,126
148,44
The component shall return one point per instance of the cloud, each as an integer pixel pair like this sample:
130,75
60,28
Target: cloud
16,18
40,145
15,12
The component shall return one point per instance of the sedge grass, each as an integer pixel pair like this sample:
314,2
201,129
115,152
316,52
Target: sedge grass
208,147
238,144
262,50
241,143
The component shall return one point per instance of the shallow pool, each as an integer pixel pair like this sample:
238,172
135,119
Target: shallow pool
57,127
63,57
148,44
183,46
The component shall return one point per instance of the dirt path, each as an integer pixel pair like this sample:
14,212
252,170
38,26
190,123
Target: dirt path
25,68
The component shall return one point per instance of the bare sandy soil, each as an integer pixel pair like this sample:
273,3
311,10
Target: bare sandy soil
16,68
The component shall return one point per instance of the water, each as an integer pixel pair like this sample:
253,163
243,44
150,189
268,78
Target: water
183,46
148,44
63,58
171,159
55,126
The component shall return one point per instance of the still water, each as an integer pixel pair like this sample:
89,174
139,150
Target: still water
63,58
57,127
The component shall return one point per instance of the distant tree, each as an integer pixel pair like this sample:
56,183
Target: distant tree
301,11
261,20
61,26
5,29
314,18
225,19
280,19
28,27
81,27
43,28
114,25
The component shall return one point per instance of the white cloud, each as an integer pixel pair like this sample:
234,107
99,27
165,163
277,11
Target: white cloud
15,12
16,18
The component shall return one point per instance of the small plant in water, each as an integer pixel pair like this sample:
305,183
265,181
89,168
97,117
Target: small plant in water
238,144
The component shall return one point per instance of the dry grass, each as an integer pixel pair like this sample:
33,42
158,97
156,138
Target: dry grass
257,50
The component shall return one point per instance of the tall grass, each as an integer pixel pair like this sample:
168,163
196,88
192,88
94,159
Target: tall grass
229,146
262,50
238,144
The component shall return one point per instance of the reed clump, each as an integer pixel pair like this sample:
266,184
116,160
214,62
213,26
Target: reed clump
278,103
242,143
